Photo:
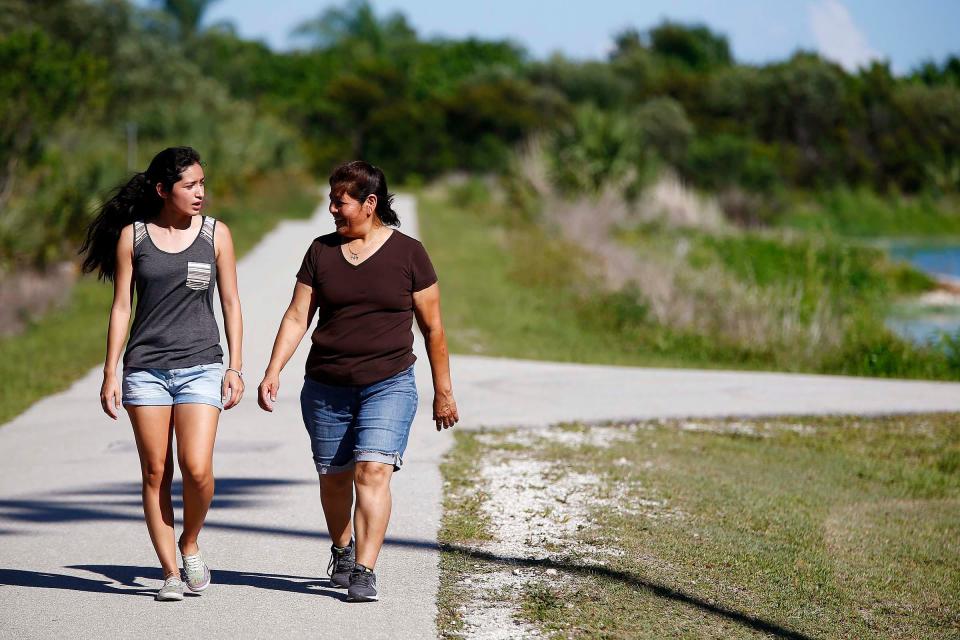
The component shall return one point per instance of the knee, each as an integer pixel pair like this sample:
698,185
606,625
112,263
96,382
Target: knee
198,474
157,474
372,474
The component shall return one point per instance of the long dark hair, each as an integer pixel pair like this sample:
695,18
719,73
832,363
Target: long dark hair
361,179
135,200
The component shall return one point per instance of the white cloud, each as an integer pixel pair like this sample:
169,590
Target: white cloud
837,37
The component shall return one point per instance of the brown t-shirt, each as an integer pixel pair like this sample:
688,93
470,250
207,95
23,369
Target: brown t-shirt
364,330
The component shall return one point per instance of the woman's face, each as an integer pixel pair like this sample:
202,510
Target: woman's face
351,216
186,195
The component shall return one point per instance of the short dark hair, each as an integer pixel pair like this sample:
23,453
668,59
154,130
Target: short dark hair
361,179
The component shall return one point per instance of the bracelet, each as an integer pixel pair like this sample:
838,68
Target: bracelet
236,371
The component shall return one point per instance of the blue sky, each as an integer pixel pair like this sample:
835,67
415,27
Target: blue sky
849,31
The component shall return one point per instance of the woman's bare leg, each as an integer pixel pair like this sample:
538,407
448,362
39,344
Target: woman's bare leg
373,509
153,429
196,427
336,497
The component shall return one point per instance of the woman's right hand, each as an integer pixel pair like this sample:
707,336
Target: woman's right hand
267,392
110,395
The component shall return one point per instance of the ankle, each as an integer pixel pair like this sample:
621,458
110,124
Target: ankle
188,548
344,547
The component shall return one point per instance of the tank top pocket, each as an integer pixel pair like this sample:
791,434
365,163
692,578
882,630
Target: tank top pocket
198,276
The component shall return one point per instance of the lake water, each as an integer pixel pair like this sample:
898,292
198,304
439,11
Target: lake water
938,261
935,260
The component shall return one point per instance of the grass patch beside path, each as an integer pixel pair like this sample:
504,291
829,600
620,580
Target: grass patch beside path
743,300
512,293
55,350
806,527
866,214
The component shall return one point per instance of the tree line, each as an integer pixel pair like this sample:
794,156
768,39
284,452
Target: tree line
84,79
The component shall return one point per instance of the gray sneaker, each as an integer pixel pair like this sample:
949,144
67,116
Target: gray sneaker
342,562
363,585
196,570
172,589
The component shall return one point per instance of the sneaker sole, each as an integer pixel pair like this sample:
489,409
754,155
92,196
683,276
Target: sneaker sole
170,597
200,587
363,598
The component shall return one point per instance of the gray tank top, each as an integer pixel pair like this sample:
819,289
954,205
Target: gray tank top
174,326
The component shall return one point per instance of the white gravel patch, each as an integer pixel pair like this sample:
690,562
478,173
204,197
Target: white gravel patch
490,614
593,436
539,510
755,429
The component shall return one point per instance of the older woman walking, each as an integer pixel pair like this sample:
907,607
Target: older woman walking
365,282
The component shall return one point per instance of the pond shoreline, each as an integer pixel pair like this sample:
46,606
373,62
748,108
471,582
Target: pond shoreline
927,317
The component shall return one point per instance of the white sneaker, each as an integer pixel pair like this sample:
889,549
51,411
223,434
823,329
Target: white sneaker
196,570
172,589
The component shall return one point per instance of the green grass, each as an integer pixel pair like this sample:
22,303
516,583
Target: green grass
863,213
514,288
517,291
815,527
463,521
55,350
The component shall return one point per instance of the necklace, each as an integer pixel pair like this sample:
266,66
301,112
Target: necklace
355,255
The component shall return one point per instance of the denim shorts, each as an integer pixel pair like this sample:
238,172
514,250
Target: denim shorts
350,424
201,384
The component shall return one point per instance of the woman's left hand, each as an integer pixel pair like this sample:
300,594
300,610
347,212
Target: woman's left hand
232,390
445,410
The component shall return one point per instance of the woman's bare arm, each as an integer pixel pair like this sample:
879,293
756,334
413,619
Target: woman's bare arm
232,386
293,326
426,305
119,322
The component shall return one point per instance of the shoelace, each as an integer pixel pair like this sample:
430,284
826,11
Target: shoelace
364,578
336,558
193,564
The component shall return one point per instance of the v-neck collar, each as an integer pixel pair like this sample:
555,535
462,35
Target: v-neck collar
370,257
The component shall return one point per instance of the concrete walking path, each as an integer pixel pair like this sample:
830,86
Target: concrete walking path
75,559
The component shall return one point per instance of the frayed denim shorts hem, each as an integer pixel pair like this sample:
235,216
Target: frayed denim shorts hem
393,459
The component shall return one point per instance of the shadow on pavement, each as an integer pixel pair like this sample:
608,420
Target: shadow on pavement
120,501
62,507
43,580
129,581
127,575
113,503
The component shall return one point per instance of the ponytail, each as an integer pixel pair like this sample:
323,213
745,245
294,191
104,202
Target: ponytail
129,203
136,200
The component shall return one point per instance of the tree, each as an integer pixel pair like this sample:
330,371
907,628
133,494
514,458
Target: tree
595,82
356,26
42,83
695,46
187,13
664,128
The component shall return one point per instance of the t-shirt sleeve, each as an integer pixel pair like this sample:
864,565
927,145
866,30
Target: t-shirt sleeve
308,268
421,268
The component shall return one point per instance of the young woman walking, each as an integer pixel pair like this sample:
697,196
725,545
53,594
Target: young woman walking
365,282
151,237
